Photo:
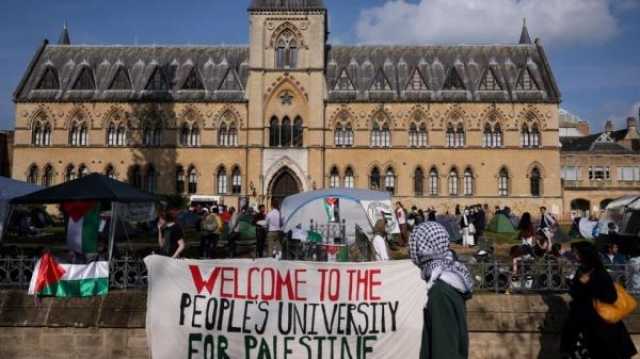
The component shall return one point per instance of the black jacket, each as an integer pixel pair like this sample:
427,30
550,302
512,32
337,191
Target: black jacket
603,340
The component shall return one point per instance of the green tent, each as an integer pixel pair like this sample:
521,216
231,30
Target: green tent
500,224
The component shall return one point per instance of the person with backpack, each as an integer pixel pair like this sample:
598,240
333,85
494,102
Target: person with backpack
211,229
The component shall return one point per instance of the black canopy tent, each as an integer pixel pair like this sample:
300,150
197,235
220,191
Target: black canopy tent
94,187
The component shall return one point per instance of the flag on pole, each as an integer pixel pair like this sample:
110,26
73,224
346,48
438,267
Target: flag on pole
82,229
52,279
331,205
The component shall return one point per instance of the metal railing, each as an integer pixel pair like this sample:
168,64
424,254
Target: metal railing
541,277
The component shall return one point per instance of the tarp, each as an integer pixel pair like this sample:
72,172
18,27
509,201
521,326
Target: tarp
500,224
356,207
94,187
452,225
276,309
624,213
10,189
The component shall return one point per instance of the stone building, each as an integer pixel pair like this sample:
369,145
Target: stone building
6,153
434,125
599,168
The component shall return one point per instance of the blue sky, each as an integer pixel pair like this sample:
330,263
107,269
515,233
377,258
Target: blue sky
593,45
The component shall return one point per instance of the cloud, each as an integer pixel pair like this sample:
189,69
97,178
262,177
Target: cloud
559,22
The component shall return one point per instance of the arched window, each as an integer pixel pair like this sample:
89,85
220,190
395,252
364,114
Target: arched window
386,135
376,135
70,173
36,134
46,135
451,136
334,178
236,181
497,136
433,182
157,135
232,136
418,182
222,180
339,138
47,176
110,172
286,132
184,135
374,179
453,182
84,135
413,135
74,134
121,135
179,180
460,138
487,136
423,140
503,182
390,181
536,182
147,135
32,175
274,132
525,136
135,177
535,135
298,132
468,182
349,178
150,179
286,50
194,138
348,139
111,135
222,135
193,181
83,171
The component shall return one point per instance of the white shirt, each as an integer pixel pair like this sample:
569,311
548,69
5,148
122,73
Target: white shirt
273,221
380,246
402,217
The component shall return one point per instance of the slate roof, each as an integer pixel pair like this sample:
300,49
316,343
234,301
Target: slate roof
590,144
212,65
287,5
398,63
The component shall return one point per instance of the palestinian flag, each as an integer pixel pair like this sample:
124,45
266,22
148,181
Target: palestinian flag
52,279
82,229
331,205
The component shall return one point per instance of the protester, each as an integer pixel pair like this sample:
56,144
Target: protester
420,218
547,223
233,233
208,238
467,229
170,235
542,245
449,284
432,215
274,231
600,338
526,231
259,221
480,222
612,257
379,241
401,215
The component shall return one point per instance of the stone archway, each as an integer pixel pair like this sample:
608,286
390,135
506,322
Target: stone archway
283,184
581,207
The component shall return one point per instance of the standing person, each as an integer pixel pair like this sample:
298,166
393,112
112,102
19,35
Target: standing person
420,217
466,227
432,215
449,285
481,222
457,210
401,215
379,241
260,222
170,236
526,232
234,232
600,338
274,231
612,257
547,223
208,237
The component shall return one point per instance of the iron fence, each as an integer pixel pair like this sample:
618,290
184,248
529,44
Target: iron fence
540,277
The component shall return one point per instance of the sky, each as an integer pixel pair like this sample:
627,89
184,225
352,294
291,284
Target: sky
593,45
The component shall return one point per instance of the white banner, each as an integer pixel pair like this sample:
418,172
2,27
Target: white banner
267,309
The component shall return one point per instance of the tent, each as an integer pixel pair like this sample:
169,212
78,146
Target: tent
624,212
353,207
10,189
94,187
500,224
452,225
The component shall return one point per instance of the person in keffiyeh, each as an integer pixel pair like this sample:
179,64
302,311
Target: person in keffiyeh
449,284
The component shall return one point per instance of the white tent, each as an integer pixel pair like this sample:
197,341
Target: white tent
10,189
351,206
624,212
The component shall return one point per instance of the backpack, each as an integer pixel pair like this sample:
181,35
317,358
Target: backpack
210,224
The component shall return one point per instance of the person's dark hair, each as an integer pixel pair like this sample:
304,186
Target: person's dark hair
525,221
260,207
215,210
170,215
543,208
275,203
589,257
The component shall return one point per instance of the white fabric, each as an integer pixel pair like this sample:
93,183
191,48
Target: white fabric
274,221
402,216
380,246
171,295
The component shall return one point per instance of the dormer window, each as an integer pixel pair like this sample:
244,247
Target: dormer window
49,80
286,50
85,80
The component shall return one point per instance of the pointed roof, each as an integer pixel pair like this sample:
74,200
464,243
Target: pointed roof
64,36
286,5
525,39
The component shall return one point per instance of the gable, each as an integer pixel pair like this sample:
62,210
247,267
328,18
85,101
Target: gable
193,81
120,80
416,82
526,82
49,80
157,81
380,82
453,81
230,82
344,83
490,82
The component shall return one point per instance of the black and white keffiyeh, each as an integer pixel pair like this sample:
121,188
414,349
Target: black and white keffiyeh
429,249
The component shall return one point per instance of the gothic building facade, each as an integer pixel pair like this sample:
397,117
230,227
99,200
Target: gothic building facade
434,125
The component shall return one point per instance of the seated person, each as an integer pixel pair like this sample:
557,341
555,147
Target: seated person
612,257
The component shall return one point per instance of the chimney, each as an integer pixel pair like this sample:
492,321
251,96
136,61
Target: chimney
632,129
608,126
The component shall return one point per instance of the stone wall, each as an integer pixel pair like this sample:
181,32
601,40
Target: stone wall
113,327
